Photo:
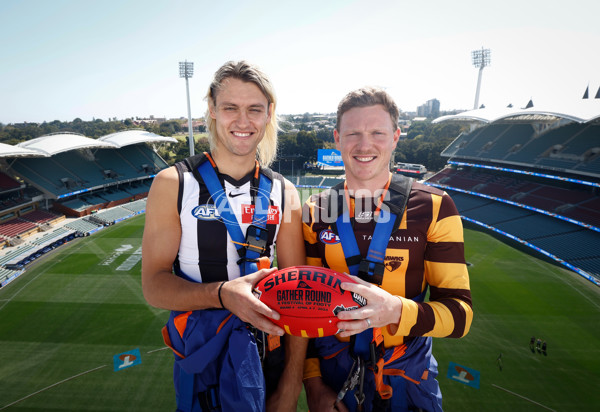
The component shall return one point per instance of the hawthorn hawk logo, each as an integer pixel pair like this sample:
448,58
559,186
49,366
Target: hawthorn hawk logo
393,262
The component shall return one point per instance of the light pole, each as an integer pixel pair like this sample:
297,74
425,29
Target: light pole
186,69
481,59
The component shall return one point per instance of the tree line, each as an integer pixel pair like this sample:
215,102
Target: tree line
298,146
16,133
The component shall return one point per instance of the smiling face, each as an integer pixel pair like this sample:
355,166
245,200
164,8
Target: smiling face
241,112
366,138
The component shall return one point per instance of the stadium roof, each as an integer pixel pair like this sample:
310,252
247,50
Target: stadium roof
7,150
129,137
61,142
581,111
52,144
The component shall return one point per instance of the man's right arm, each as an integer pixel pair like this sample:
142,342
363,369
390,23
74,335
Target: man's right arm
160,245
163,289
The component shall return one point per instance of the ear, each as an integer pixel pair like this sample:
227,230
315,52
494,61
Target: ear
396,137
336,138
212,110
270,111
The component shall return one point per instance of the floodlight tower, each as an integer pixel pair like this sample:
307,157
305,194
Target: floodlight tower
186,69
481,59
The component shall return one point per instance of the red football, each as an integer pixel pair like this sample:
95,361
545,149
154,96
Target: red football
308,299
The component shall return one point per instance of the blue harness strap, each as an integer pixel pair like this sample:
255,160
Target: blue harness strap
369,269
251,246
220,368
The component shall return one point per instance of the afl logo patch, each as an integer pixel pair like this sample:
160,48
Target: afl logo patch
328,237
205,212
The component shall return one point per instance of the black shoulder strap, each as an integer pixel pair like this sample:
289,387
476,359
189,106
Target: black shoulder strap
335,198
399,191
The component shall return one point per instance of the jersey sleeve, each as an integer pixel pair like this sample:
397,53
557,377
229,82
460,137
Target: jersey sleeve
448,312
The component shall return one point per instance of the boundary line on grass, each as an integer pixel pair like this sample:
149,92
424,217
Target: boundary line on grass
52,386
522,397
156,350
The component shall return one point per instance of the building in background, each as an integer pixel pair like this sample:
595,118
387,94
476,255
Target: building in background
430,109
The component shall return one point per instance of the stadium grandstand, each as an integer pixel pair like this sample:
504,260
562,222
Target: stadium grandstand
65,185
532,176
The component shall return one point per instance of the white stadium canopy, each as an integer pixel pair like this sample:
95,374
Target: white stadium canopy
580,111
62,142
129,137
49,145
7,150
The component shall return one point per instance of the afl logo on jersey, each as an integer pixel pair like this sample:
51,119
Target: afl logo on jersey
206,212
328,237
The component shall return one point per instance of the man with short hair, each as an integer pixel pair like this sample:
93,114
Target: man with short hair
213,223
399,238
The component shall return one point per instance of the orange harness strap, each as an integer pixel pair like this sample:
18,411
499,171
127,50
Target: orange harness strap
165,334
180,322
385,391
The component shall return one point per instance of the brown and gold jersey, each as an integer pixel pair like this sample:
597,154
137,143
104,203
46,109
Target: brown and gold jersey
426,249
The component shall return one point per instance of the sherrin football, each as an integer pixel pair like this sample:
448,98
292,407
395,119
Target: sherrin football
308,298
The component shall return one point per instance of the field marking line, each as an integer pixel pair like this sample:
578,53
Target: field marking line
159,349
42,272
7,301
568,283
522,397
52,386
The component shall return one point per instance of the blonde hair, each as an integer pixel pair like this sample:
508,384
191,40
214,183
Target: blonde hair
244,71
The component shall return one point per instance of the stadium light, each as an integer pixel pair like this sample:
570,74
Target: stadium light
481,58
186,69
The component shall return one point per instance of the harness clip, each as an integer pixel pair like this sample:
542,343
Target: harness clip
257,239
371,271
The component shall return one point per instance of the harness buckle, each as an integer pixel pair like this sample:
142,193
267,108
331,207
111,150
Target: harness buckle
209,399
371,271
261,342
257,239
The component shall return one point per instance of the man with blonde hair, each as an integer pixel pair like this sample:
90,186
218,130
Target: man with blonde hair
399,238
213,224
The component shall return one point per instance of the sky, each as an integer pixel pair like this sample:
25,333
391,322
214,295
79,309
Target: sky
67,59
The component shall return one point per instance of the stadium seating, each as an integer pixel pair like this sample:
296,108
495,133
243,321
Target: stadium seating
54,234
560,148
83,226
112,159
569,242
16,252
7,182
136,207
111,215
331,181
533,176
530,193
40,216
16,227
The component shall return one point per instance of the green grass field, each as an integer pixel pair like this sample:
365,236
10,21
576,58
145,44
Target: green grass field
62,322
